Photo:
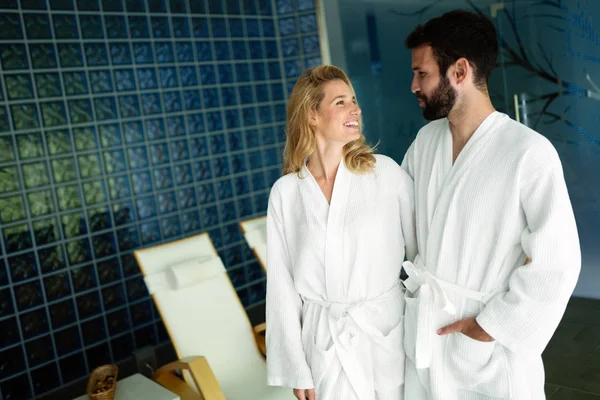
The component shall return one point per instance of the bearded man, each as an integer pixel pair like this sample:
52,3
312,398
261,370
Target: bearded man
489,195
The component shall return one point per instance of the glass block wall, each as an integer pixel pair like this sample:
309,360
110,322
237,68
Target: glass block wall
124,124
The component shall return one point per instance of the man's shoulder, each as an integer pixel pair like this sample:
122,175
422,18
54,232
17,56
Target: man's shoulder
527,141
524,148
433,127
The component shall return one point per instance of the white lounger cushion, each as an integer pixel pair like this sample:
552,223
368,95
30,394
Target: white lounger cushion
204,316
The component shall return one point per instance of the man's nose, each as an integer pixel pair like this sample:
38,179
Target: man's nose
414,86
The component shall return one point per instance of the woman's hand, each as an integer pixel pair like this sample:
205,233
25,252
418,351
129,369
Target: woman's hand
305,394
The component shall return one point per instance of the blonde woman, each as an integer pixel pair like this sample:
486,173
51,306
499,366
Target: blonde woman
338,225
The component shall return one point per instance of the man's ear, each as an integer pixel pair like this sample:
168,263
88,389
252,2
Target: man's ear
461,70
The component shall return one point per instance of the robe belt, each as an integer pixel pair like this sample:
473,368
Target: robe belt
432,292
345,336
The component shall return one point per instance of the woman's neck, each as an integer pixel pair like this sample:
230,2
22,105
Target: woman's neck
324,162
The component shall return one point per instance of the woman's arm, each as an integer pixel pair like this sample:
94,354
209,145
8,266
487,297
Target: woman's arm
286,361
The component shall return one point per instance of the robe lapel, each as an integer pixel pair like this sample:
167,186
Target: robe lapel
467,158
334,238
315,202
440,169
315,205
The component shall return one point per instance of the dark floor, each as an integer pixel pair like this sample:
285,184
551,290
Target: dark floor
572,358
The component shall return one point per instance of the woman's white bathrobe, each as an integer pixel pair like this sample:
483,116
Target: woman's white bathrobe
504,198
334,299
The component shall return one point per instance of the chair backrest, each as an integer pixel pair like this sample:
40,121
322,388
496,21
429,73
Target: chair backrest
255,232
199,306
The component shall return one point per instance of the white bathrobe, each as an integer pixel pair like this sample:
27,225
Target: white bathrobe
504,198
335,303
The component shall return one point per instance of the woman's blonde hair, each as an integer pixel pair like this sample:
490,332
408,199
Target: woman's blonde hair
301,141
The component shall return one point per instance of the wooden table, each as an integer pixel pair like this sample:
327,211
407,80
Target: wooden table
138,387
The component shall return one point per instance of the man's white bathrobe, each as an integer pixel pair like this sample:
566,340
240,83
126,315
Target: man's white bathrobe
504,198
335,303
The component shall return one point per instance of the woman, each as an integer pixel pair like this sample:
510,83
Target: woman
338,223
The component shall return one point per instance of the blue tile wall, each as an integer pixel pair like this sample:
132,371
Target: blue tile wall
124,124
298,38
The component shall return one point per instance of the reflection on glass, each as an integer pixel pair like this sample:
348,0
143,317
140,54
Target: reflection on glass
114,161
75,82
14,56
63,169
83,278
110,135
25,116
54,114
65,26
94,192
22,267
80,111
48,85
51,259
105,108
57,286
58,142
30,145
68,197
70,55
85,138
11,209
78,251
40,203
42,55
18,86
46,231
35,175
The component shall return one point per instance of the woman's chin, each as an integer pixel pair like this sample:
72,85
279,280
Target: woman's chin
354,135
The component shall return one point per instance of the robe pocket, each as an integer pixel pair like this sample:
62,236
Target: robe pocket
320,360
388,354
410,326
477,366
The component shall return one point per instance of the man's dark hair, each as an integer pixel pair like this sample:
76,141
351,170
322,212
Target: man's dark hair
458,34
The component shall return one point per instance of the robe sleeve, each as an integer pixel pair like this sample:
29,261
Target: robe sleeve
525,318
409,161
407,215
286,361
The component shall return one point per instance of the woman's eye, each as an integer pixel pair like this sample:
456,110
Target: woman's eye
340,102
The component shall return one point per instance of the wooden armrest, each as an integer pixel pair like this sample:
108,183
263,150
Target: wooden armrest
260,261
259,334
201,373
260,329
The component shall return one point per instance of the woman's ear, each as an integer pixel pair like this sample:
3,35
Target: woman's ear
312,117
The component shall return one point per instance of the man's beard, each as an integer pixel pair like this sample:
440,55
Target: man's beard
441,101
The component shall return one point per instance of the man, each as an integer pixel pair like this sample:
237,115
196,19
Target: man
490,194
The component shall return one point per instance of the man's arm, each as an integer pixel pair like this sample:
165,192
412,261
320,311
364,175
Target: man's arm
525,318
